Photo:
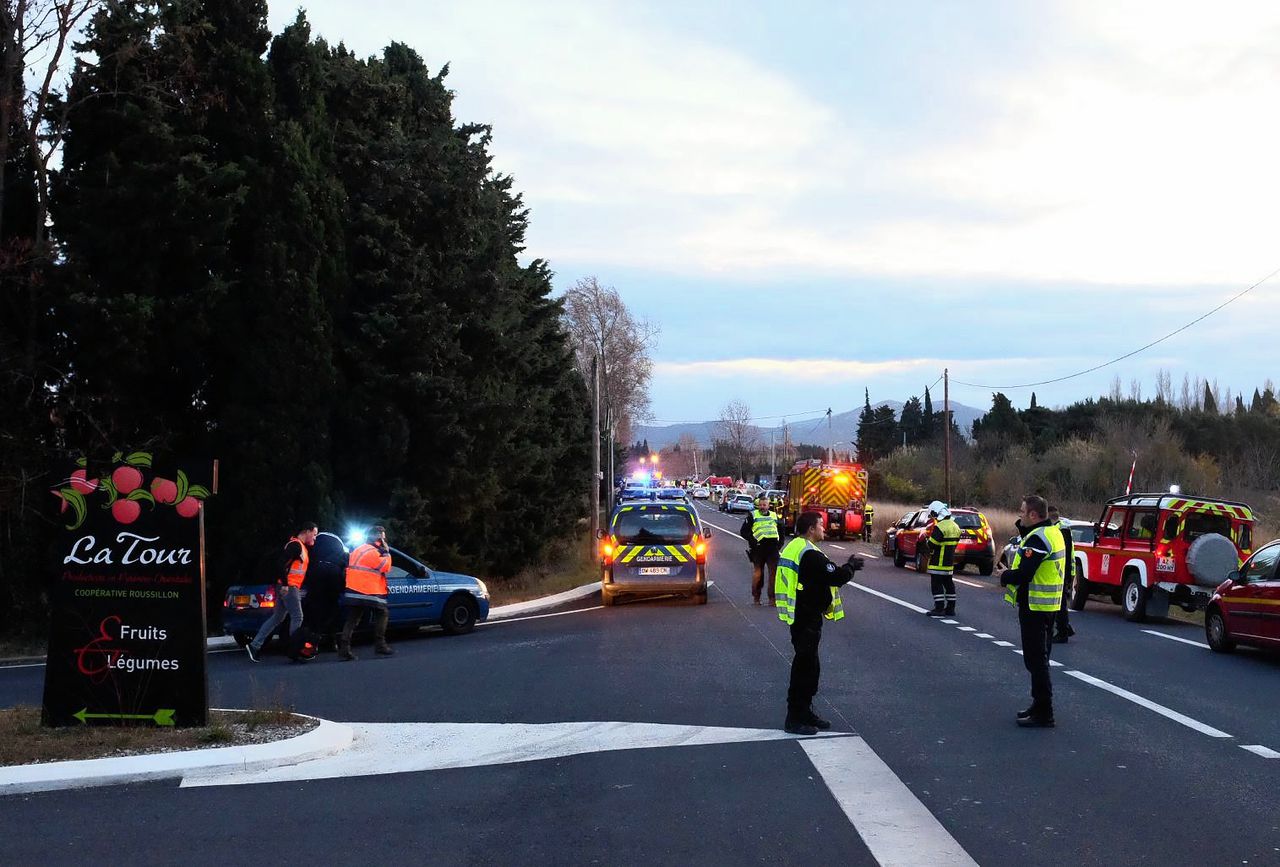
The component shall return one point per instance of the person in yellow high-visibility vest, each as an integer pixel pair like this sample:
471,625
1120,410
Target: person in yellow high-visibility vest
808,590
1034,585
762,531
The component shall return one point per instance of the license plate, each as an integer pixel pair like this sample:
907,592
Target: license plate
655,570
240,600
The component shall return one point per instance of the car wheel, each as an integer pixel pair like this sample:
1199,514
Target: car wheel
1134,597
986,567
921,564
242,638
899,560
459,616
1215,632
608,597
1079,591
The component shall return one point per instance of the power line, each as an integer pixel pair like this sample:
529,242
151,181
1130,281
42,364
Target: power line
1195,321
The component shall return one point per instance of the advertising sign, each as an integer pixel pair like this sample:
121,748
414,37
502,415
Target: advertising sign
127,634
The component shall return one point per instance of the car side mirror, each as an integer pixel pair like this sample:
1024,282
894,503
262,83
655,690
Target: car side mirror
600,533
1234,575
706,531
419,572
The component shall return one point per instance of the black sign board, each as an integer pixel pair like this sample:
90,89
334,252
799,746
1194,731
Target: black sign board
127,637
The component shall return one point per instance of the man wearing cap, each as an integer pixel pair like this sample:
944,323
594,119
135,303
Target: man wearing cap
762,531
288,587
367,570
941,550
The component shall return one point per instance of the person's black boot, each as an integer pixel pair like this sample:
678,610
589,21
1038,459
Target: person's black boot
1061,638
796,725
1039,718
950,610
937,611
818,722
1026,714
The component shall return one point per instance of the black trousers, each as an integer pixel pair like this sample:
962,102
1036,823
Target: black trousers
806,634
944,590
1037,640
764,566
1062,620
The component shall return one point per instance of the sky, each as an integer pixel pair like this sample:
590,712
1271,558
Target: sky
813,199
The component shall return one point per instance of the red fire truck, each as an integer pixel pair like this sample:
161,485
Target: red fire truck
836,491
1151,550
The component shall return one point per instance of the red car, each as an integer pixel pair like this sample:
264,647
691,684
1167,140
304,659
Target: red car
904,540
1246,607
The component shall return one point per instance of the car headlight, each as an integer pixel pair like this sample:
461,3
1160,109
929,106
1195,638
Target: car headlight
484,589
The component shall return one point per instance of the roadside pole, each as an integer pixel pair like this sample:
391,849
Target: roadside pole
595,450
946,435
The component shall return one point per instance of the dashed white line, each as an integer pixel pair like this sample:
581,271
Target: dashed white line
1259,750
951,622
834,545
1151,705
983,635
887,597
966,629
1003,643
1055,664
1177,638
970,583
870,556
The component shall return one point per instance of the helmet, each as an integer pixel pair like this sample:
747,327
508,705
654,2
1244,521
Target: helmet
939,508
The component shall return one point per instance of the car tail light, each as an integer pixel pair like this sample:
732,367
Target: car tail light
606,552
267,599
226,603
700,552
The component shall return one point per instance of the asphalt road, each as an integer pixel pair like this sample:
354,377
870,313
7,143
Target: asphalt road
1148,763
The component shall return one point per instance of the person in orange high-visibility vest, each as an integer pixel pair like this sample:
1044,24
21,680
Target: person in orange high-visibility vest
367,569
288,588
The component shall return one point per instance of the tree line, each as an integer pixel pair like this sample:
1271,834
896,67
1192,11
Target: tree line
265,249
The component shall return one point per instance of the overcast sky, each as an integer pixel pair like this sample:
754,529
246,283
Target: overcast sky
1013,190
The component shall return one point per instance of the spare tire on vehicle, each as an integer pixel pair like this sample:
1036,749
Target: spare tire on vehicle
1210,558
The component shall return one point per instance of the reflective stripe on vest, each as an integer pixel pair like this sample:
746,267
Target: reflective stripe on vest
1044,593
367,571
787,586
763,526
943,559
298,568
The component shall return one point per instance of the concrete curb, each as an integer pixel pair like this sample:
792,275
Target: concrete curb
531,606
324,740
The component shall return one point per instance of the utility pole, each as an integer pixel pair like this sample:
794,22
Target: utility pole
608,412
595,450
946,434
831,439
773,458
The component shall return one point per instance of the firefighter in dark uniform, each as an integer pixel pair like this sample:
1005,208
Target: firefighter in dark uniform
868,517
1034,585
1062,622
762,531
808,589
941,550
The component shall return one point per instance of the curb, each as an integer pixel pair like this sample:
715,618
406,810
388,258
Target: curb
324,740
515,609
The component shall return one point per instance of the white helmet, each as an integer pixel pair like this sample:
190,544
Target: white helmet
939,508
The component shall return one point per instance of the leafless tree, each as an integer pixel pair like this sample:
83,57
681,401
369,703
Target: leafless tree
739,436
681,459
34,38
599,324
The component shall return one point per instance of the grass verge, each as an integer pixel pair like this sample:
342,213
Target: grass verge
24,741
570,564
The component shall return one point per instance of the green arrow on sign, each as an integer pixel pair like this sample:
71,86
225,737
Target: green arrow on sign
162,717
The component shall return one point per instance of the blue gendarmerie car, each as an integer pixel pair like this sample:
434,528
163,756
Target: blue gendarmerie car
654,549
416,595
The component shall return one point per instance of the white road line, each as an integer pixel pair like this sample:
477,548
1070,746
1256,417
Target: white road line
869,556
887,597
1003,643
1259,750
1150,705
983,635
1177,638
951,622
834,545
893,823
970,583
1055,664
966,629
538,616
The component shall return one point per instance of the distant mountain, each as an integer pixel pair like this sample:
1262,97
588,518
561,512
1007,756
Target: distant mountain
844,427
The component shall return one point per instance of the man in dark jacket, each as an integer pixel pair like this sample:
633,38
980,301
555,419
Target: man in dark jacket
762,531
1032,581
807,588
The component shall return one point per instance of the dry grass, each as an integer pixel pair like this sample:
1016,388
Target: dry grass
570,565
24,741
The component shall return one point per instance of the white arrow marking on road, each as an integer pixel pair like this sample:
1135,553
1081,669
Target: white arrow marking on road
396,748
897,828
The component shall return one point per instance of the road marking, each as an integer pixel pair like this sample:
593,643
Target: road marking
983,635
23,665
892,822
951,622
970,583
1055,664
870,556
887,597
1177,638
396,748
1150,705
1003,643
966,628
834,545
1259,750
538,616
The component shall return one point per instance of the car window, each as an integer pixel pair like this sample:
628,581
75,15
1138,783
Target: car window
1197,524
1114,521
404,567
1142,524
1263,564
966,521
1083,533
653,525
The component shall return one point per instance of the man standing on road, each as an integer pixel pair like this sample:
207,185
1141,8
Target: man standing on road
288,588
868,517
941,552
366,590
1034,584
808,589
1062,622
762,531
